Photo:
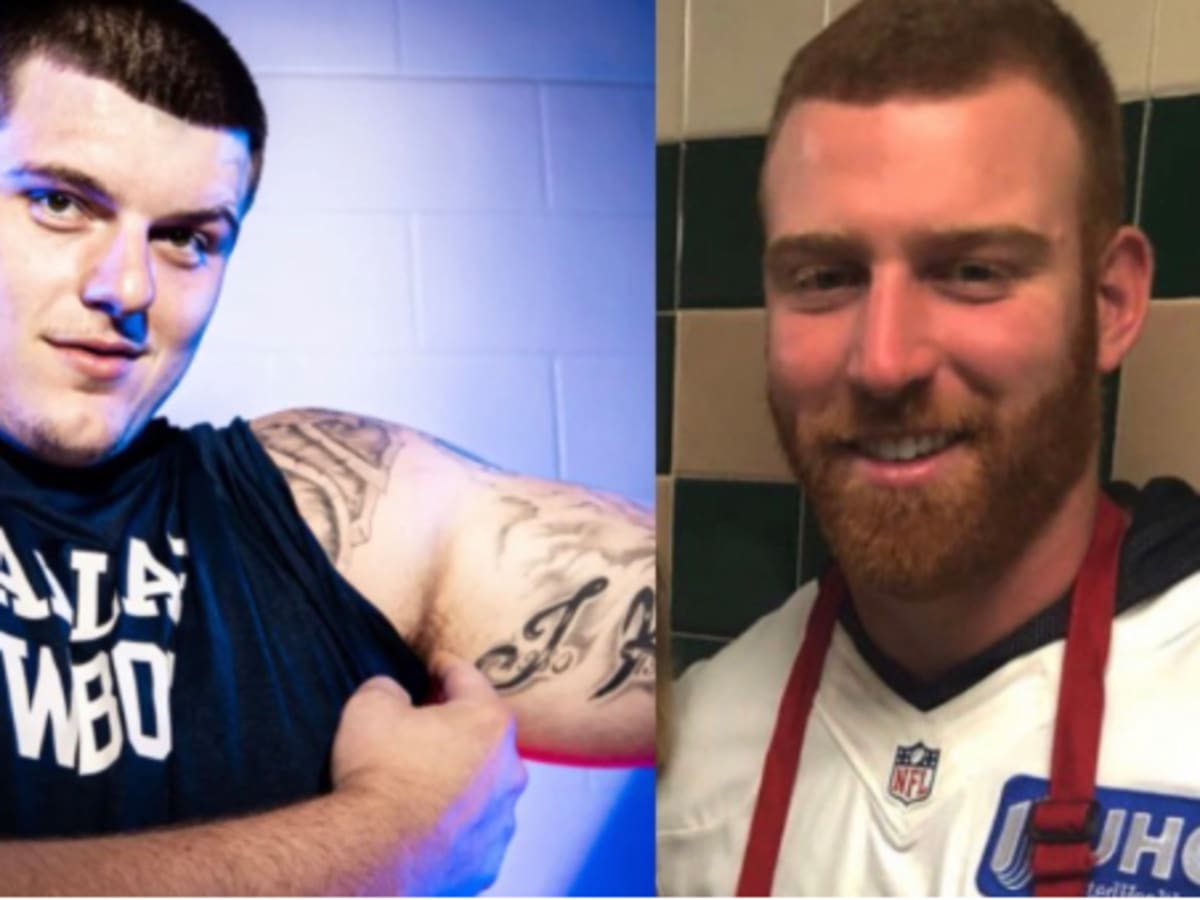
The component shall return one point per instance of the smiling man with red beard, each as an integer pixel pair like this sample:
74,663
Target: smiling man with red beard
959,707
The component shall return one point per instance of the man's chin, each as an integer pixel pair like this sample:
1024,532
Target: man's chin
72,456
909,541
912,541
74,444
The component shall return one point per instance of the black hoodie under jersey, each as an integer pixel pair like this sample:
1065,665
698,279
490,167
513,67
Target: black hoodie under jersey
174,644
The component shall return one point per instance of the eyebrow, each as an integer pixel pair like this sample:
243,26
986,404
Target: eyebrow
813,246
1033,247
65,174
824,245
86,184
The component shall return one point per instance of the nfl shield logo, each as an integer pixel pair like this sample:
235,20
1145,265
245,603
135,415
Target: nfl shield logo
912,773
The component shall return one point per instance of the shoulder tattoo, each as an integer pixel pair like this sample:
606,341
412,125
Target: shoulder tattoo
337,466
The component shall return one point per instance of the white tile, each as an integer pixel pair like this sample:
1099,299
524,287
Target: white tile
722,423
579,40
1123,31
1176,60
528,283
668,68
607,422
736,57
385,144
600,148
1158,429
309,35
318,281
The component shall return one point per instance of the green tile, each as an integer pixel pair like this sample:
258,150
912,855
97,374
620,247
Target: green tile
1170,194
1132,115
722,237
814,552
1110,392
687,649
666,200
734,548
664,412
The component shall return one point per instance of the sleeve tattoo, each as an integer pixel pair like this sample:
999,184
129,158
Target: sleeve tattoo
337,466
585,617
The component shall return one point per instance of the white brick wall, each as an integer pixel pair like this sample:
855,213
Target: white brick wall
451,186
455,231
566,40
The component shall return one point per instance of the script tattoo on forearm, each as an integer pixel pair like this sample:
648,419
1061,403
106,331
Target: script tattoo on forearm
539,651
635,650
557,638
337,466
558,538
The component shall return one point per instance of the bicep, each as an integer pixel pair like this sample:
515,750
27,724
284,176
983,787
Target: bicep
551,592
547,587
377,496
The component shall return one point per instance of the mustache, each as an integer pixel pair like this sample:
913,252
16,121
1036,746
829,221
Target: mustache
859,416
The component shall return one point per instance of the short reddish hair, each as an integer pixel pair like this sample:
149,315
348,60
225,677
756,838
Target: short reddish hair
881,49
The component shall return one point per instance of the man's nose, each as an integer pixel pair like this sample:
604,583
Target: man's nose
121,279
895,344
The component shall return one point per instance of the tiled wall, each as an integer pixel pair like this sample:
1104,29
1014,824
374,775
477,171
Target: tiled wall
732,523
455,231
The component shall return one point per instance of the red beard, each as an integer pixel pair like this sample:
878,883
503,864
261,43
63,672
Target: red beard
964,527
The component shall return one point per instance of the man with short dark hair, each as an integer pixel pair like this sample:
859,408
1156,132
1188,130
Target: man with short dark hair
947,278
225,630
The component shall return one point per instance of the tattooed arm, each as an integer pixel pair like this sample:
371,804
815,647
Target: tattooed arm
550,588
571,577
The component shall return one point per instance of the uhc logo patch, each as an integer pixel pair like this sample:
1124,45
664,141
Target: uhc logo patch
1149,844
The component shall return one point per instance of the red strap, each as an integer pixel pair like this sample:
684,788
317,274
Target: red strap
783,753
1060,869
1064,823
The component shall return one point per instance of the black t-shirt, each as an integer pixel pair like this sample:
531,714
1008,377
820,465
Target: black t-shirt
174,644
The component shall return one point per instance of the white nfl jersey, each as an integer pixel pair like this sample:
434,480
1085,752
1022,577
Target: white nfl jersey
892,800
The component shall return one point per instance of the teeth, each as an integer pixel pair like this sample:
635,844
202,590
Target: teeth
904,449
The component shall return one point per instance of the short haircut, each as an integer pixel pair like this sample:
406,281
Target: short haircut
161,52
882,49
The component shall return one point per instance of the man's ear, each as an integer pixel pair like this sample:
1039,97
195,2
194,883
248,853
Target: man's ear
1122,298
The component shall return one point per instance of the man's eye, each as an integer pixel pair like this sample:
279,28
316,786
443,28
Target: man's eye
822,279
818,288
185,239
973,279
975,272
56,205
